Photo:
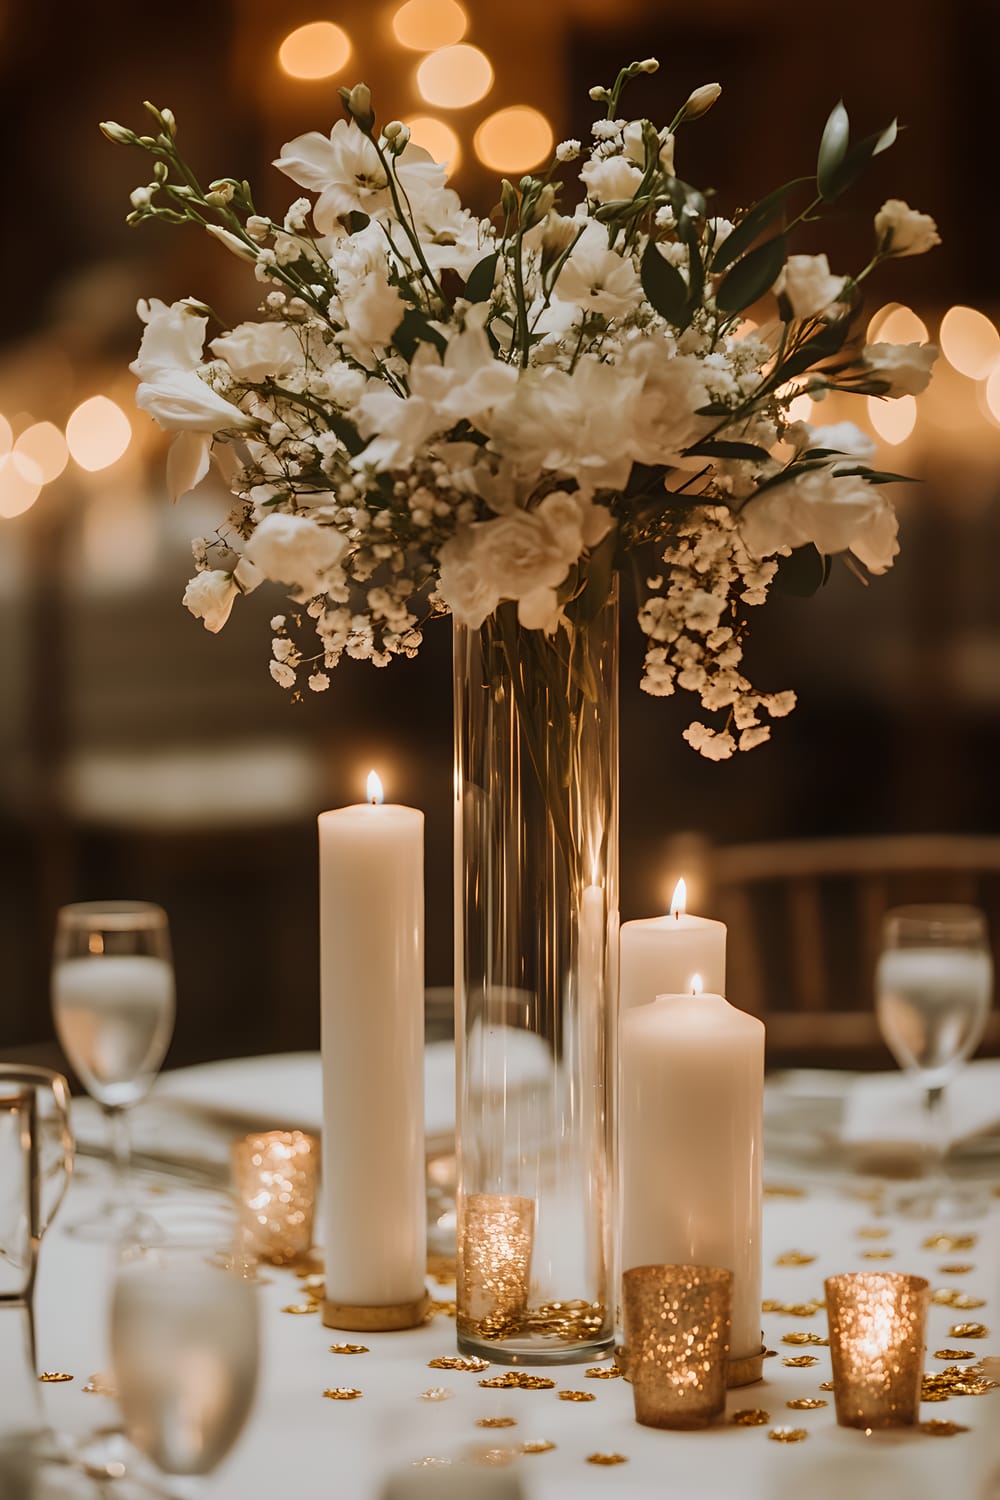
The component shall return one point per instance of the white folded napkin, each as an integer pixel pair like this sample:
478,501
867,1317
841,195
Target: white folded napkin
888,1108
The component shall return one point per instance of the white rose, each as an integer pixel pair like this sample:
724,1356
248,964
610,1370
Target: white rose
469,595
877,542
295,550
181,400
209,596
171,340
610,179
255,350
904,368
662,417
832,511
909,232
807,283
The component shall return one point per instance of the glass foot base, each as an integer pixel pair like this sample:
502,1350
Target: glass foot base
528,1351
115,1224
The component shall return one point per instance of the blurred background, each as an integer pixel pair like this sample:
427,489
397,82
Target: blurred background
140,756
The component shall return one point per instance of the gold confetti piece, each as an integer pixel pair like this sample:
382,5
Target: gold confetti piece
53,1377
603,1372
969,1331
787,1434
956,1268
518,1380
770,1354
750,1416
313,1281
804,1338
349,1349
800,1361
826,1385
100,1385
537,1445
577,1396
442,1310
342,1393
936,1428
492,1458
606,1459
795,1258
950,1242
954,1354
877,1254
872,1232
777,1190
934,1395
436,1393
298,1308
429,1463
496,1422
806,1403
459,1362
947,1296
793,1309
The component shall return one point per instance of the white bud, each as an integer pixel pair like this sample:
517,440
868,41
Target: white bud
650,65
141,197
258,228
117,133
232,242
598,94
701,101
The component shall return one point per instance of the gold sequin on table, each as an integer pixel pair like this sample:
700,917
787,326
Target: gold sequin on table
950,1242
947,1296
872,1232
777,1190
577,1396
298,1309
442,1310
342,1393
603,1372
954,1354
750,1416
430,1463
436,1393
349,1349
877,1254
787,1434
537,1445
934,1427
53,1377
102,1385
496,1422
826,1385
803,1338
606,1460
795,1258
800,1361
969,1331
793,1309
956,1268
806,1403
472,1364
954,1380
518,1380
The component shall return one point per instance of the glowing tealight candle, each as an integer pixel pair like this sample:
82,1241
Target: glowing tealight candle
371,860
660,954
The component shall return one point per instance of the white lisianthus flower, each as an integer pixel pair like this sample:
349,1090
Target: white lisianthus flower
904,368
210,596
173,338
373,310
295,550
610,179
255,350
807,283
598,279
180,400
908,232
170,387
344,169
845,437
836,512
700,100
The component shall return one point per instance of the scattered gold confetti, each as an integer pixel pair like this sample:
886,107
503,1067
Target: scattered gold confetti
787,1434
349,1349
946,1296
800,1361
492,1458
342,1393
442,1309
298,1308
750,1416
795,1258
429,1463
53,1377
606,1459
537,1445
969,1331
458,1362
934,1395
806,1403
954,1354
956,1268
518,1380
603,1372
936,1428
577,1396
100,1385
803,1338
872,1232
955,1380
826,1385
496,1422
950,1242
777,1190
793,1309
436,1393
312,1281
877,1254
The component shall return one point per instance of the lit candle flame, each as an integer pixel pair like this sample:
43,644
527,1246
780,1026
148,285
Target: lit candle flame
696,984
678,905
375,792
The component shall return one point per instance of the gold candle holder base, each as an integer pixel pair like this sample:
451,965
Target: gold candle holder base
745,1371
354,1318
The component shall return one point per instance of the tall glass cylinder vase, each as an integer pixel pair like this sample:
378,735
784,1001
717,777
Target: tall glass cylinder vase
536,881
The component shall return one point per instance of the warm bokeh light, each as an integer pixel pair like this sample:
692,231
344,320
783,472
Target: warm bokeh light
425,25
119,539
315,51
6,435
893,420
969,342
437,138
44,445
896,324
20,484
697,985
993,393
374,787
455,77
678,904
98,433
514,139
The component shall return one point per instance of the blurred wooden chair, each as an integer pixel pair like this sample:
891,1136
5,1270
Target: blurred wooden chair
804,921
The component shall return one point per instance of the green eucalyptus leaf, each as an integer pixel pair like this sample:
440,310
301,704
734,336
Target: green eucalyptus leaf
713,409
876,476
750,226
803,572
665,287
827,341
346,431
723,448
479,285
752,276
415,328
356,221
854,163
832,149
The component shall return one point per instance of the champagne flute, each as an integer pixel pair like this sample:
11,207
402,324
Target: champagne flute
934,988
113,1005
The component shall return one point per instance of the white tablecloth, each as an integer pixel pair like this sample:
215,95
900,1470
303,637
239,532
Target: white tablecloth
301,1446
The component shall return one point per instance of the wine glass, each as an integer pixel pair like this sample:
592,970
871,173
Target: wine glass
113,1005
934,988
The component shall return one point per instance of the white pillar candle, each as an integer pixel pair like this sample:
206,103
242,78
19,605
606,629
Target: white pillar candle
692,1126
660,954
372,1032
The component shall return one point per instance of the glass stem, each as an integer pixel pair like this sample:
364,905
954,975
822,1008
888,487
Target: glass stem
937,1143
120,1140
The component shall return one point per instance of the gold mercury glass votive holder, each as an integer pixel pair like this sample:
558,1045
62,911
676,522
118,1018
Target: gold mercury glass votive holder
877,1323
677,1322
496,1233
275,1175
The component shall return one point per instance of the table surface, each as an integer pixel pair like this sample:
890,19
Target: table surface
311,1448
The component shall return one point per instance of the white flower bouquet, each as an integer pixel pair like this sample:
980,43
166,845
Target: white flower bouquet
437,412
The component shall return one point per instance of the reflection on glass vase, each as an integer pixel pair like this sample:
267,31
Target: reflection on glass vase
536,922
